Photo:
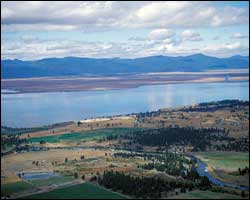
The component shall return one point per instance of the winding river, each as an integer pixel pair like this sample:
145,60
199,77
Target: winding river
201,169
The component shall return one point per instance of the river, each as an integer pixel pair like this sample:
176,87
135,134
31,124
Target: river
202,171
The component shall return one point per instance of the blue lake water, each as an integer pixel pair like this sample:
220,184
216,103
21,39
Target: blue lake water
36,109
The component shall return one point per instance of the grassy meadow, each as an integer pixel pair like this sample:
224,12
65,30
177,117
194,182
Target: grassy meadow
228,161
198,194
82,136
81,191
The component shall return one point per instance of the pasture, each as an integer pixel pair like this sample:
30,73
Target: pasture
82,136
198,194
81,191
11,188
227,161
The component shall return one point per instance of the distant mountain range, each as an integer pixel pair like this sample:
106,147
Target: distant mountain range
76,66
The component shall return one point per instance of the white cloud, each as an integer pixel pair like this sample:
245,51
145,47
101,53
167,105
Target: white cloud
191,35
226,49
96,16
160,34
161,18
239,36
36,48
137,39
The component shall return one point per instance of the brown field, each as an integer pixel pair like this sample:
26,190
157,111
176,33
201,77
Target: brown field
58,84
116,122
95,161
236,121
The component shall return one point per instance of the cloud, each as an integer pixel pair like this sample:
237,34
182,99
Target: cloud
110,15
227,49
160,34
239,36
191,35
137,39
36,48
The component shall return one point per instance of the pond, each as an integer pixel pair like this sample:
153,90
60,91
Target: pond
38,175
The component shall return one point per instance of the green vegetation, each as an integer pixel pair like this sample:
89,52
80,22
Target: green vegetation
11,188
148,187
81,191
226,160
5,130
83,136
50,181
198,194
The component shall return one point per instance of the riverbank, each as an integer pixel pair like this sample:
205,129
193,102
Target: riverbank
220,164
101,83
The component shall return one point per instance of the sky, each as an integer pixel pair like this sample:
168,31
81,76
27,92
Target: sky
32,30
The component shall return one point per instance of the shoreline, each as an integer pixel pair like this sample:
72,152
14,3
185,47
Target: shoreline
127,120
122,87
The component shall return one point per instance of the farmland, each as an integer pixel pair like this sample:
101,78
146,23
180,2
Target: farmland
81,191
152,151
198,194
82,136
228,161
11,188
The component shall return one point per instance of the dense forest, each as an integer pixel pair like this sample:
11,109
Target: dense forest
148,187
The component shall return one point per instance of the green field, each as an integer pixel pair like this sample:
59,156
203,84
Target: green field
81,191
11,188
52,180
83,136
229,161
205,195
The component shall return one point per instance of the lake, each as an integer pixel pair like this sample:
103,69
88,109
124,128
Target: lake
37,109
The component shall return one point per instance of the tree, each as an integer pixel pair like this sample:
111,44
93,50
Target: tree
205,181
82,157
75,175
93,178
78,123
42,142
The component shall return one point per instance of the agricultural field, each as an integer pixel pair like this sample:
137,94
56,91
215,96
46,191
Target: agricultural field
198,194
11,188
80,156
81,191
228,161
82,136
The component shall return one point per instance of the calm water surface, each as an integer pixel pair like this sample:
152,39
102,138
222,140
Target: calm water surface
36,109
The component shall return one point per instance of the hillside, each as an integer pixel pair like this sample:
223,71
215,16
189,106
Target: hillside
74,66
